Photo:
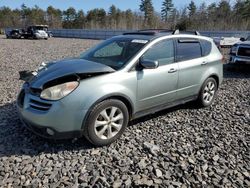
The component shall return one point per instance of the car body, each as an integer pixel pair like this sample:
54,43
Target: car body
36,32
14,34
127,77
240,52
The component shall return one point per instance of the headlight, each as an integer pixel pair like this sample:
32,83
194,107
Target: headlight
59,91
234,49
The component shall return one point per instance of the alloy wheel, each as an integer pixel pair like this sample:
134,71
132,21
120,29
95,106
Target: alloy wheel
109,122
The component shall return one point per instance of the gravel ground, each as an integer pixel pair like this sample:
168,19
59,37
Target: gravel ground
179,147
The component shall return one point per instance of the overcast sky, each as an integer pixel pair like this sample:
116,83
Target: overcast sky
90,4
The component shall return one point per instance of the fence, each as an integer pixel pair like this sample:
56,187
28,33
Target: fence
104,34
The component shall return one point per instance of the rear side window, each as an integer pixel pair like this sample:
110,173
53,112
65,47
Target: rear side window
188,49
206,47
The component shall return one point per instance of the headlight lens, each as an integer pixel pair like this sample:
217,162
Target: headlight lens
59,91
234,49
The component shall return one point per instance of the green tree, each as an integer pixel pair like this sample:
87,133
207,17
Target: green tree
224,15
147,8
112,14
37,16
96,18
54,17
80,21
69,17
167,9
192,8
129,19
246,10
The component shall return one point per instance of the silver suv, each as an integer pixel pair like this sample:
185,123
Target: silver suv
121,79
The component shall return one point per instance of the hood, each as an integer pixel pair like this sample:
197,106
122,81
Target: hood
55,70
244,43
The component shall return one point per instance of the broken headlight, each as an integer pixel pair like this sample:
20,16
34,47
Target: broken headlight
59,91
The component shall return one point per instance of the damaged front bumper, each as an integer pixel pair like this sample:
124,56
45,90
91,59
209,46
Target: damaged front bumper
239,60
50,119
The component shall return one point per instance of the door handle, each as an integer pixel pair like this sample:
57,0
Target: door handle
172,70
204,63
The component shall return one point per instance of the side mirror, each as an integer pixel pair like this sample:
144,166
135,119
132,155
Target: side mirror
149,64
242,39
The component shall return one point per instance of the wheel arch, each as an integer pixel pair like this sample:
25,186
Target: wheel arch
216,77
125,99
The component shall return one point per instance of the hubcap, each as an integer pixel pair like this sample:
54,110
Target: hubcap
108,123
209,92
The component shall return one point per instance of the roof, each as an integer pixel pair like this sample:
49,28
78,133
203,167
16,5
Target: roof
38,25
150,34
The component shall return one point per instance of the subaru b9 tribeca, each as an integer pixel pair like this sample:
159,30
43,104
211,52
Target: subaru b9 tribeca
121,79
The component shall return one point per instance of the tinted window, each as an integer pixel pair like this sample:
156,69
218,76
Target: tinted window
206,47
188,49
163,52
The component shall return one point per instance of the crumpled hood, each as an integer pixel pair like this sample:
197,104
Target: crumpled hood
67,67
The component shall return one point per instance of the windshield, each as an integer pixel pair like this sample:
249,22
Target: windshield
40,28
114,52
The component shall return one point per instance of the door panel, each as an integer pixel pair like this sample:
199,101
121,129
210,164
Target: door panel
190,73
158,86
191,66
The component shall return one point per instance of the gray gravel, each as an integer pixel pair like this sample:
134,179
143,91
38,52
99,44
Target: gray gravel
179,147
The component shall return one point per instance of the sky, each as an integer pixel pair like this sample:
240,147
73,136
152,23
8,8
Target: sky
91,4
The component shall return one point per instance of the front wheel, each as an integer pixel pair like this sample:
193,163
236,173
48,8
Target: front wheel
106,122
208,92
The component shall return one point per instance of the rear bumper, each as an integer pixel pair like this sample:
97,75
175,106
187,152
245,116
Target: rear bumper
239,60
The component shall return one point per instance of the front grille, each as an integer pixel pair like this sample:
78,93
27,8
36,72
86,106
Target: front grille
42,106
244,51
35,91
21,96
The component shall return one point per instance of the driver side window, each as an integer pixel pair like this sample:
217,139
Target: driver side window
163,52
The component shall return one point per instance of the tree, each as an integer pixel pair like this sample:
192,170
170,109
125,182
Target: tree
147,8
167,9
96,18
69,17
112,16
80,20
224,15
192,8
129,19
54,17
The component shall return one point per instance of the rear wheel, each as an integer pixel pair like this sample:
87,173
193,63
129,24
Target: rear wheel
208,92
106,122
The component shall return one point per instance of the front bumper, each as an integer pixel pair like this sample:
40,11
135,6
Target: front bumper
46,132
51,119
239,60
39,36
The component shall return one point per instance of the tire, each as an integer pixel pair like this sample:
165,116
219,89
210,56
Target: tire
208,92
100,129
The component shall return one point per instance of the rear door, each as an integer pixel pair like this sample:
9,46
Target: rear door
192,65
158,86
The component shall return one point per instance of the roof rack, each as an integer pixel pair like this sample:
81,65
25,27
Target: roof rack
185,32
156,31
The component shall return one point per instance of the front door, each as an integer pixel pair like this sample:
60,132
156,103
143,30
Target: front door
158,86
